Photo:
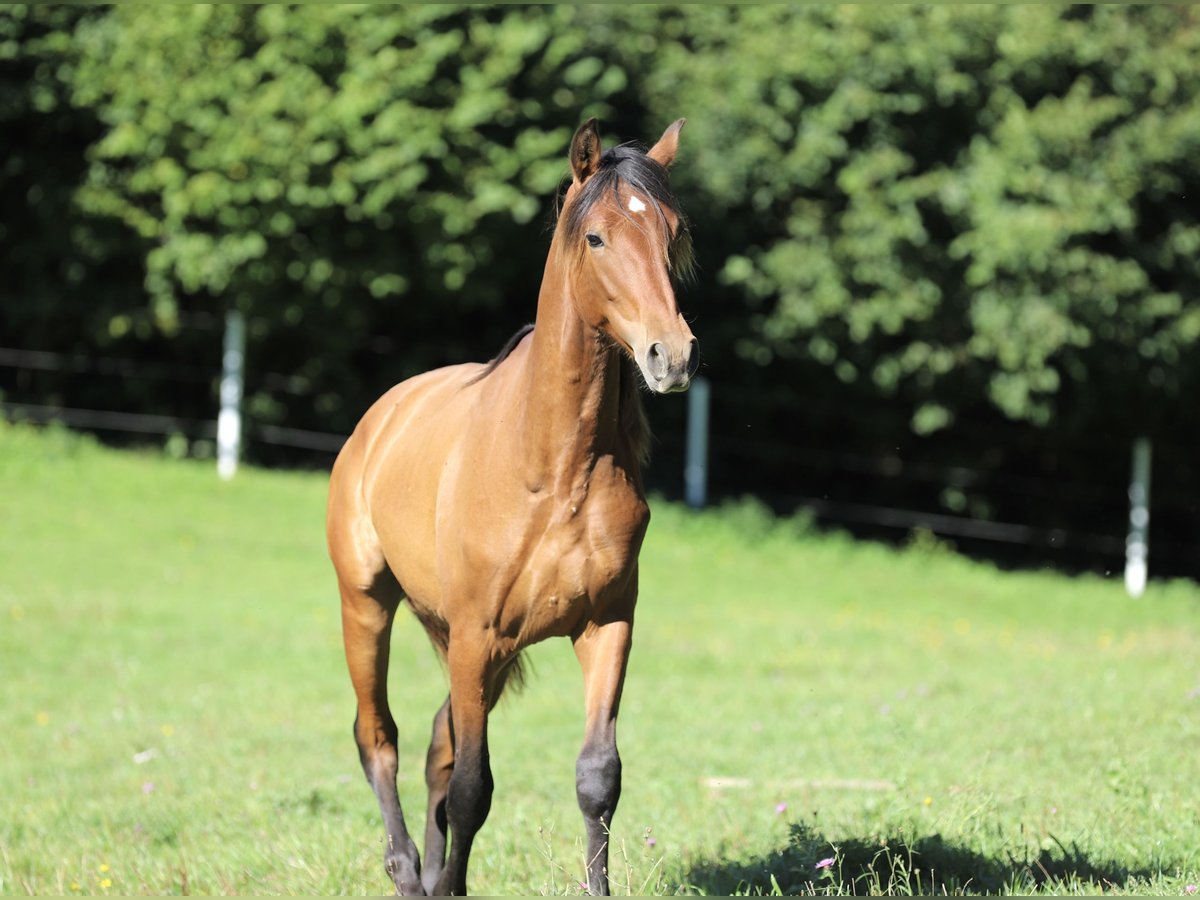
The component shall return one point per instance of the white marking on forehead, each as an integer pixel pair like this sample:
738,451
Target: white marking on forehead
635,203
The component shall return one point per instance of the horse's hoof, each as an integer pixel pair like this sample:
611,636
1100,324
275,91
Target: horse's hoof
405,876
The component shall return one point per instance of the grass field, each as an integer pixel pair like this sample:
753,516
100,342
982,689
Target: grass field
176,716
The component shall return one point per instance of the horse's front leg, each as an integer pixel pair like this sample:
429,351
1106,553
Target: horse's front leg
469,792
603,651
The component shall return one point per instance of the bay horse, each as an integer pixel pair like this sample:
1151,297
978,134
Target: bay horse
504,503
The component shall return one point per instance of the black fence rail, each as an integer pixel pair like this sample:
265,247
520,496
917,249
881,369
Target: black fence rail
1072,517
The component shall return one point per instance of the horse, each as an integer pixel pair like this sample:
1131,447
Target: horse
503,503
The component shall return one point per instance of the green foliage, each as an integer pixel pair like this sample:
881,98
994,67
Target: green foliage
337,173
64,272
953,203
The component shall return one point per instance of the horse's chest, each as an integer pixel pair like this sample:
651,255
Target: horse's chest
590,560
582,563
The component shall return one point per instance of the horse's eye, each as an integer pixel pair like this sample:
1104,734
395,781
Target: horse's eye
594,240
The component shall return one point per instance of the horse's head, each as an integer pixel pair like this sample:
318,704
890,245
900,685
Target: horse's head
624,237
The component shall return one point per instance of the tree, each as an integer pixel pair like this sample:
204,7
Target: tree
954,203
353,179
65,272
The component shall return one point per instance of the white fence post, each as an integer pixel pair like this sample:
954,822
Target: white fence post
229,422
1137,545
695,474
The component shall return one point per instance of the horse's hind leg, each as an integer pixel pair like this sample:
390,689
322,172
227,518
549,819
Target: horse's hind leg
439,766
469,792
367,617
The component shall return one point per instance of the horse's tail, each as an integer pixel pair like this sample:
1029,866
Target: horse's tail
514,674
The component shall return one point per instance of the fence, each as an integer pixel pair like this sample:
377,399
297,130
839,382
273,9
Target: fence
858,502
111,420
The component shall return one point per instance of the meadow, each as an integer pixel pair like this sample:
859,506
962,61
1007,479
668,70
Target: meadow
176,714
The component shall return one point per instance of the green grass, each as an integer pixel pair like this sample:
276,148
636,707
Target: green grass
929,722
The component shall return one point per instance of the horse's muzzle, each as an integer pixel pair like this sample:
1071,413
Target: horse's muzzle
669,371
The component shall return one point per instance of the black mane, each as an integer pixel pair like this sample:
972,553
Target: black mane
507,349
628,164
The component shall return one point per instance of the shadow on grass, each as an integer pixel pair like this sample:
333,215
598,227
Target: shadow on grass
922,865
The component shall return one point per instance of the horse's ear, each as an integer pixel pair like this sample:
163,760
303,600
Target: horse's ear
664,151
585,151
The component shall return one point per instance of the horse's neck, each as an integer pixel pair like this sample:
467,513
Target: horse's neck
572,410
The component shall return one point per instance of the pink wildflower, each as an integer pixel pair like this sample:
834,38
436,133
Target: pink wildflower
826,862
780,808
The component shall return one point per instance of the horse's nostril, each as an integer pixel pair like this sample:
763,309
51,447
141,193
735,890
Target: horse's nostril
656,361
693,360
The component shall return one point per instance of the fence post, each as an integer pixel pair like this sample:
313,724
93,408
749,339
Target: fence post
229,421
1137,545
695,475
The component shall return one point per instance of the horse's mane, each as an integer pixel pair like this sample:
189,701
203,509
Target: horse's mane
633,414
509,346
629,165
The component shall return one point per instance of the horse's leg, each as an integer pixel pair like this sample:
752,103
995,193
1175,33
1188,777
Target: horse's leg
469,792
603,651
439,765
366,629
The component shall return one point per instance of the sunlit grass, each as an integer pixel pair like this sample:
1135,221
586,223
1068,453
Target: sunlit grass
177,716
